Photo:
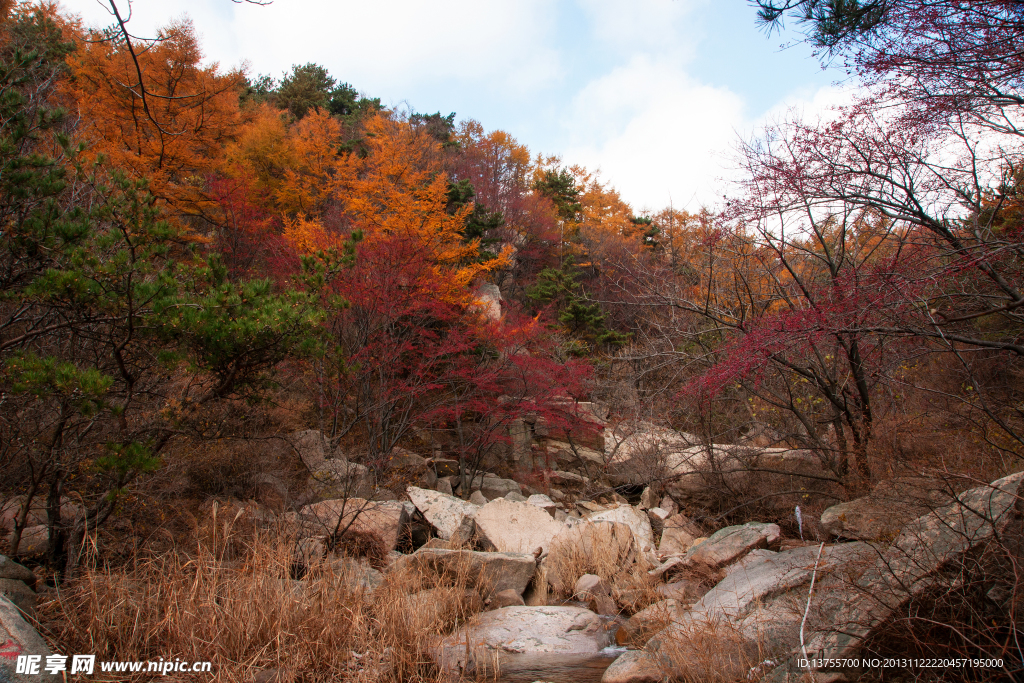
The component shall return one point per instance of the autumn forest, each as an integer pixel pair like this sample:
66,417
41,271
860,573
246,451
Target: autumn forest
197,262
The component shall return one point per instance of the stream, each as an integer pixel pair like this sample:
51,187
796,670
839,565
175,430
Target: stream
556,668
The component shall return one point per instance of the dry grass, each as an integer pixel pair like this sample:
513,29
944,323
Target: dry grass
247,615
708,652
607,550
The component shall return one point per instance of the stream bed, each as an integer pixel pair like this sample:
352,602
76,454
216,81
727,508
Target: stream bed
556,668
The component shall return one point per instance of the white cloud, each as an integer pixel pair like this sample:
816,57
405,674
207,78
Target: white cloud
655,132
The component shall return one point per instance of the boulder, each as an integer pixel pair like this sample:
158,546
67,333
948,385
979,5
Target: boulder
515,497
9,569
489,573
647,500
669,505
488,301
648,621
763,575
568,454
727,545
543,502
387,519
522,630
505,598
444,467
402,459
677,535
271,492
18,638
23,597
508,526
477,498
592,590
928,551
35,541
442,485
345,479
450,516
312,447
631,517
880,515
657,516
634,666
636,451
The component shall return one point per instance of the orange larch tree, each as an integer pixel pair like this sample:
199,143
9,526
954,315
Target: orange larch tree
173,138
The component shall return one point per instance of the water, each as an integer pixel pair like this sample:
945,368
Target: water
555,668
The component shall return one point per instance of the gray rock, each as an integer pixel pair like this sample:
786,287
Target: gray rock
727,545
443,486
17,637
9,569
636,521
523,630
676,535
387,519
477,498
489,573
634,666
495,487
23,597
880,515
507,526
515,497
444,467
447,514
648,621
668,504
341,478
312,447
764,575
543,502
35,541
358,573
505,598
592,590
926,547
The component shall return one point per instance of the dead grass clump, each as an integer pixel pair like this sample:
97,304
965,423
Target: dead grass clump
248,615
356,543
601,548
707,652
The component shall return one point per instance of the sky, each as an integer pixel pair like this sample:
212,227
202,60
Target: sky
653,94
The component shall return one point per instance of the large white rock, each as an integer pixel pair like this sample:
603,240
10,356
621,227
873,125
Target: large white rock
511,527
17,637
637,522
489,573
927,552
523,630
388,519
447,514
312,447
727,545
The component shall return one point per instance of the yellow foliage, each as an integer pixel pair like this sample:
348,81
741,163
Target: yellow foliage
174,135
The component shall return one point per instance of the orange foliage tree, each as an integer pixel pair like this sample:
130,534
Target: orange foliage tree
176,135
